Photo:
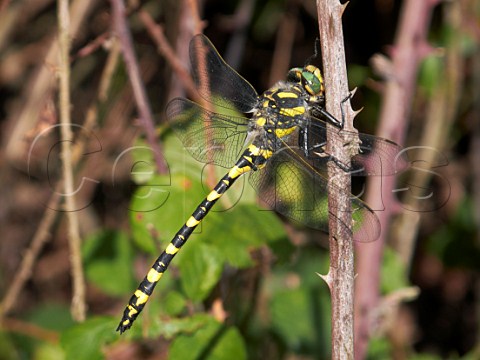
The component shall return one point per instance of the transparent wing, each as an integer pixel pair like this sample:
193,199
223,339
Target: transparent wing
216,81
377,156
291,185
208,136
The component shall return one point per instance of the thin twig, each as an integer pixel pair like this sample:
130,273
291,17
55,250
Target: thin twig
40,87
24,272
139,93
93,45
164,48
283,47
340,277
78,299
237,25
198,24
198,28
31,330
43,233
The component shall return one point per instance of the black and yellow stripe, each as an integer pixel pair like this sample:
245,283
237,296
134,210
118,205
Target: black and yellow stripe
276,115
253,158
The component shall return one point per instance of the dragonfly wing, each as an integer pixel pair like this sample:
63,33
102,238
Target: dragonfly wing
290,185
216,81
377,156
380,156
208,136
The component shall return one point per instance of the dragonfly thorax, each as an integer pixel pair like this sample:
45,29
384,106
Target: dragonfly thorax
280,111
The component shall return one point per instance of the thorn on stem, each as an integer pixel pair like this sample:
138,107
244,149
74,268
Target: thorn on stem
327,278
344,6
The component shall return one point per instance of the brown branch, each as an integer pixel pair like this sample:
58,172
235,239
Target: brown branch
409,49
237,25
164,48
40,86
31,330
198,24
340,277
43,233
42,236
283,47
139,93
78,299
92,46
203,79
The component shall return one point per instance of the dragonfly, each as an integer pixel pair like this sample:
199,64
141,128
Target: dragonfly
278,137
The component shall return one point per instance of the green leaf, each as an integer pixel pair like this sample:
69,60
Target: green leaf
454,242
7,347
357,75
237,232
85,341
300,304
47,351
172,327
55,317
379,348
174,303
213,342
431,71
146,208
143,166
393,274
160,207
201,267
292,317
108,262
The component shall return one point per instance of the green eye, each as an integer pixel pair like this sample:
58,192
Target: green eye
311,83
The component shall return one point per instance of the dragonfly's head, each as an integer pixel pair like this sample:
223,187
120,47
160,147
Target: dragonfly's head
309,77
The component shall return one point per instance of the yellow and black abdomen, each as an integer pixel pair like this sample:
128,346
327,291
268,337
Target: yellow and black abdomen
253,158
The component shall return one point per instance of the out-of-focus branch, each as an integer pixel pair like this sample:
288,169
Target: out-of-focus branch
283,47
409,47
238,26
40,88
43,233
30,330
78,299
139,93
164,48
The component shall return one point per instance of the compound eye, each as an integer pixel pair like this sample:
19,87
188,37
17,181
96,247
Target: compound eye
295,75
311,83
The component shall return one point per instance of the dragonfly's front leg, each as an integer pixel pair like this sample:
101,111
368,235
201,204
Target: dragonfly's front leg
319,150
329,118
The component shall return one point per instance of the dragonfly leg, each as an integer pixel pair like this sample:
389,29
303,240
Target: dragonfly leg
342,104
319,150
329,118
341,165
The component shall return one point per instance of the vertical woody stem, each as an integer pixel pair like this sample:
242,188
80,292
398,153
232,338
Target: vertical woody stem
340,277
